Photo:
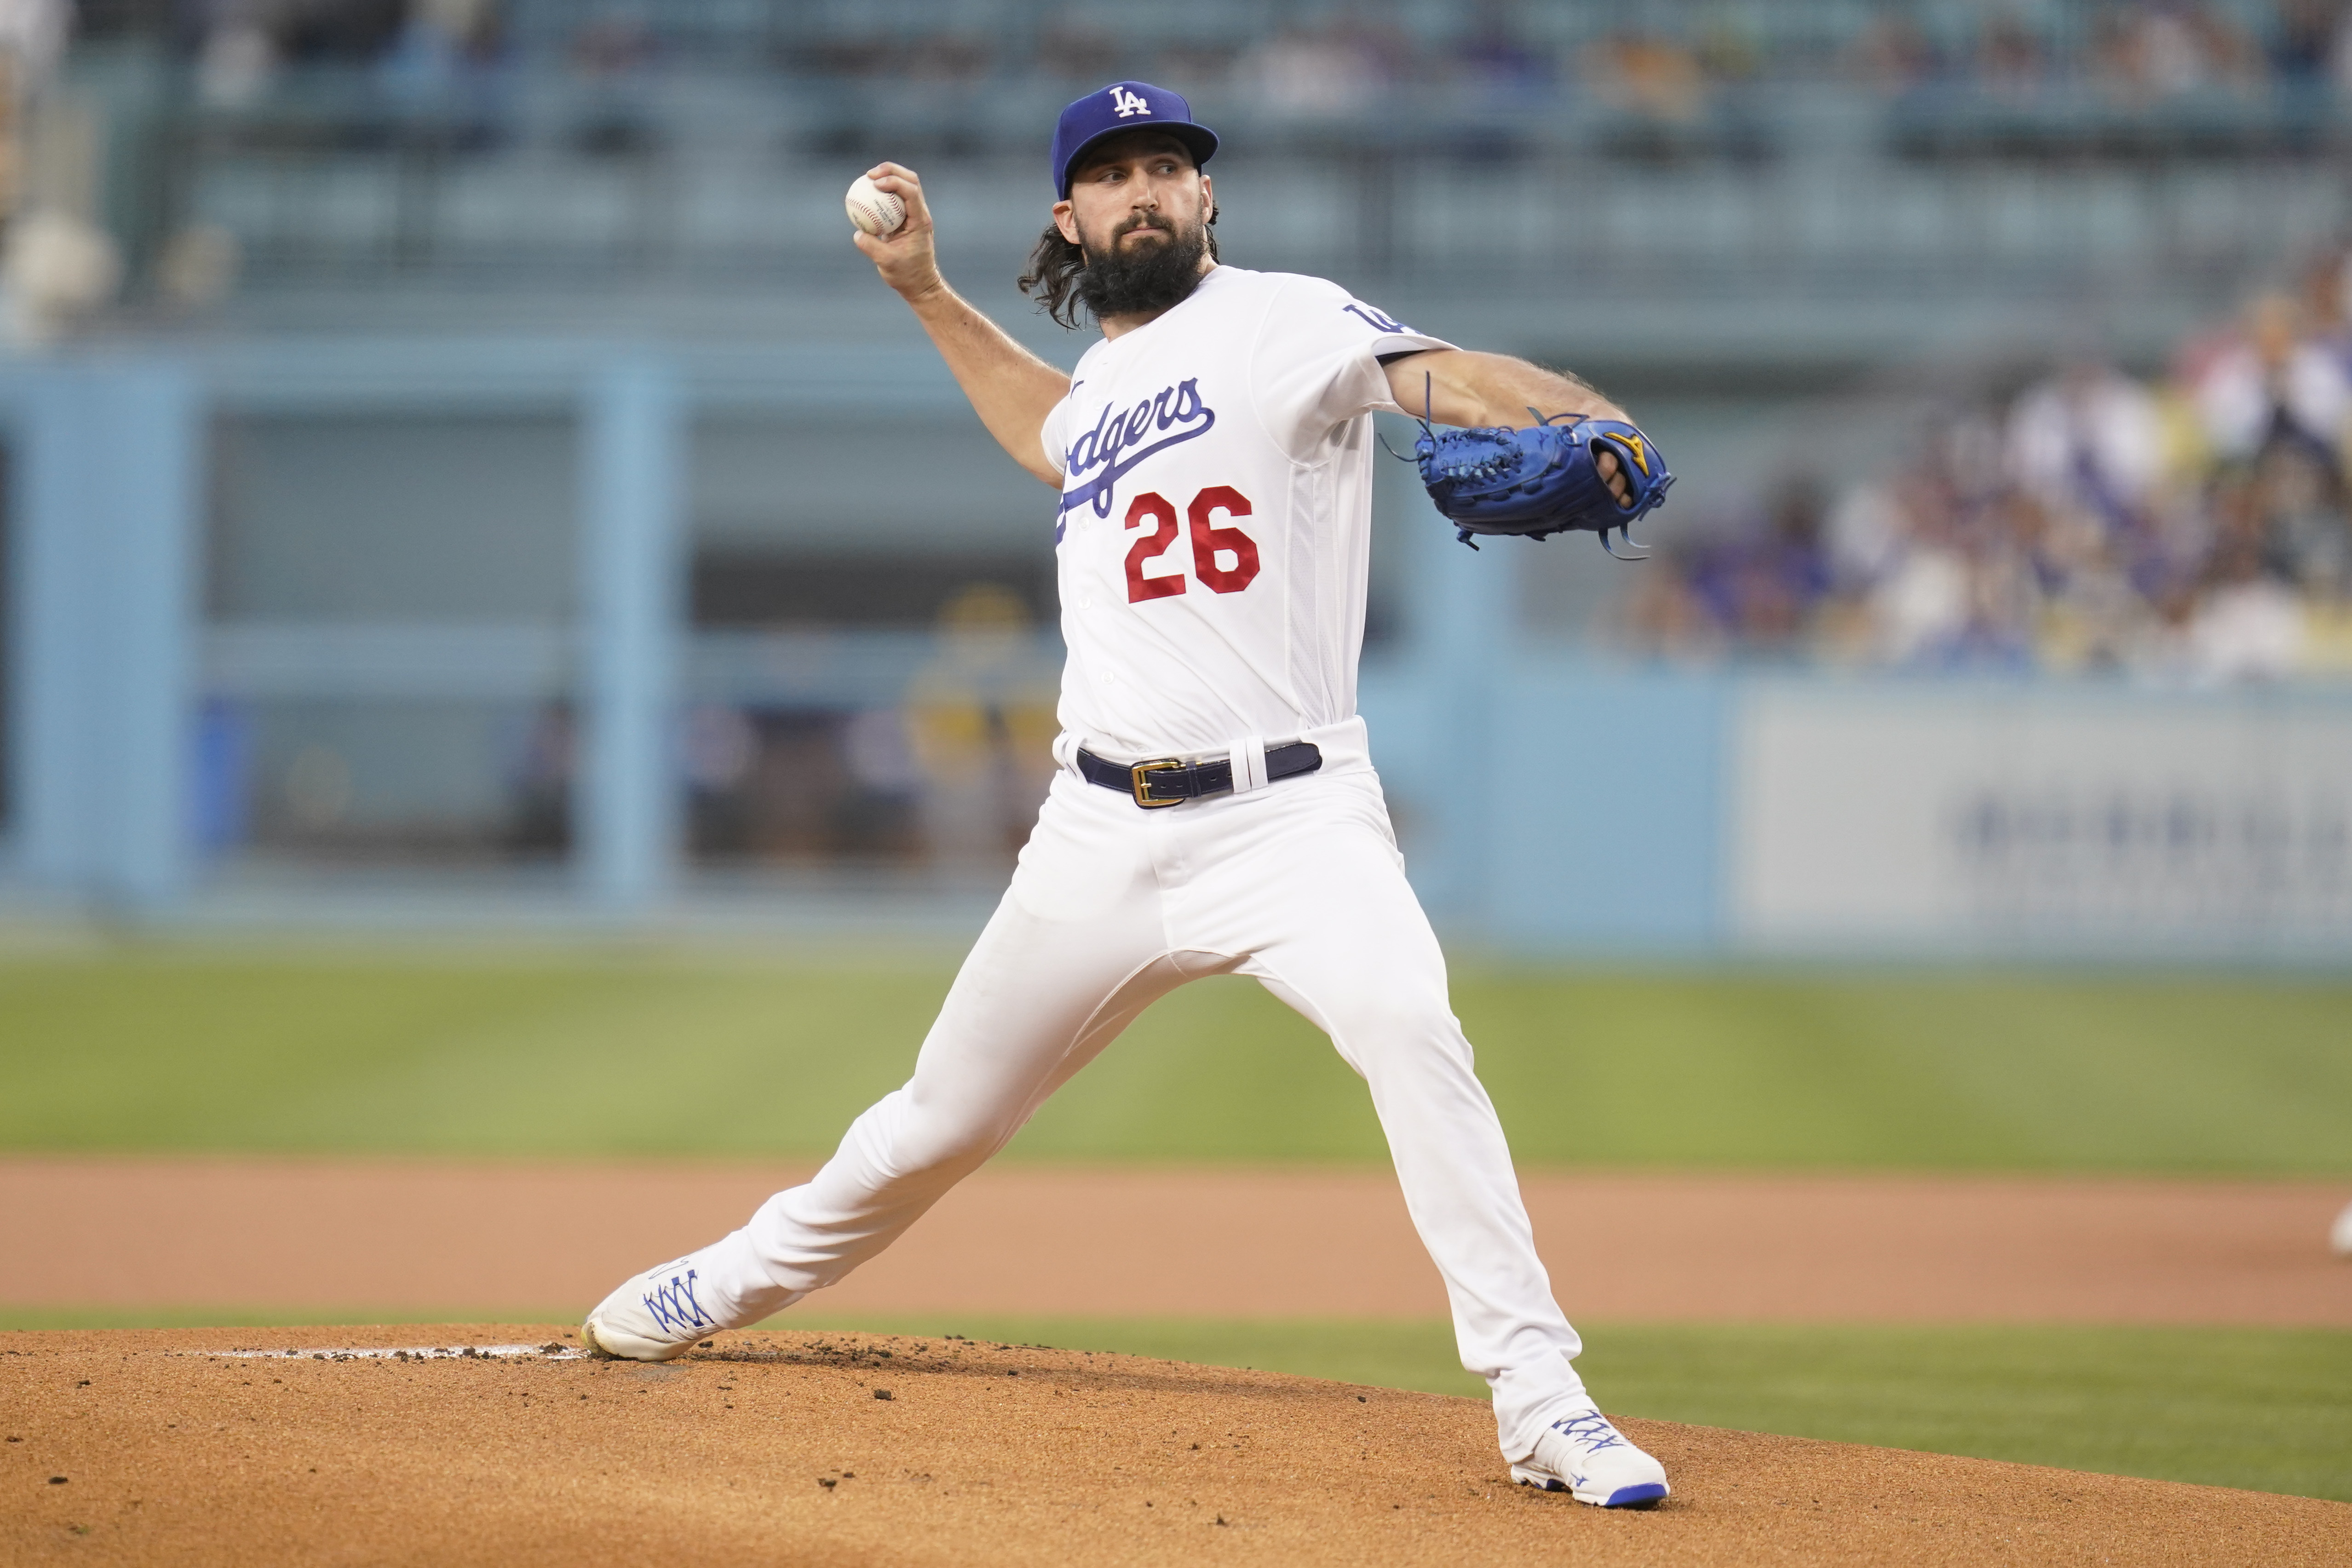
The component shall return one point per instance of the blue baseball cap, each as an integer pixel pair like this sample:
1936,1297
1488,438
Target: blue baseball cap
1124,106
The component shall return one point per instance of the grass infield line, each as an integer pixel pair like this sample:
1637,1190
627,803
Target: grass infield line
2268,1409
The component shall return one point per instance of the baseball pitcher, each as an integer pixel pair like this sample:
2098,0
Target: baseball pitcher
1214,810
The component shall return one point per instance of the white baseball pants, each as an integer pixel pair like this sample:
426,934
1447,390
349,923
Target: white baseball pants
1297,883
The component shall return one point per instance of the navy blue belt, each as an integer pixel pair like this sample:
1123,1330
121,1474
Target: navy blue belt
1166,781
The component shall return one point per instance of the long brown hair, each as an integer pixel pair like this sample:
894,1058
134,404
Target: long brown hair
1055,265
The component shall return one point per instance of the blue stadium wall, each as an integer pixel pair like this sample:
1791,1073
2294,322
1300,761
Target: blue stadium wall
1550,801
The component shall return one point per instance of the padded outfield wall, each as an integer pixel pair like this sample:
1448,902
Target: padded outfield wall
1624,810
1550,800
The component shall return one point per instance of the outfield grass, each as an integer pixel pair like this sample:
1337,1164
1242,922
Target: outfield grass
2265,1408
641,1053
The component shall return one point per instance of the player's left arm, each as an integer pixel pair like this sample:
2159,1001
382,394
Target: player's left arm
1467,388
1461,386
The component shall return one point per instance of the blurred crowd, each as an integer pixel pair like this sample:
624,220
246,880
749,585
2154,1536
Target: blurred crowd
954,774
2196,527
1335,61
240,47
2136,49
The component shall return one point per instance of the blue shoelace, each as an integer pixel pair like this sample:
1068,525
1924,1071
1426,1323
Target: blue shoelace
1591,1430
674,1308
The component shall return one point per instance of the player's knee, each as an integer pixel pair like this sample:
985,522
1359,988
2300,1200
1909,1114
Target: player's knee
943,1138
903,1136
948,1150
1391,1029
1392,1008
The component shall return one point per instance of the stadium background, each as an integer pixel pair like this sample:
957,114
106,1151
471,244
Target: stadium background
493,591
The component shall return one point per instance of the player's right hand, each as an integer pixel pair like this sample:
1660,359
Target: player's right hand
903,256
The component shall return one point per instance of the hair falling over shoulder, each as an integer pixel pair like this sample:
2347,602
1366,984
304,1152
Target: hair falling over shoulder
1054,268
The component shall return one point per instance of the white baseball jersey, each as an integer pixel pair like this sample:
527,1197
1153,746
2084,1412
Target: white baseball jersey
1215,514
1215,525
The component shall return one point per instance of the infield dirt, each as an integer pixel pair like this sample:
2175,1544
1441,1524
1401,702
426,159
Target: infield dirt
448,1239
829,1449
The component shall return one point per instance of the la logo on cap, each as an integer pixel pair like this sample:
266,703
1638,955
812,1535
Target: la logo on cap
1127,103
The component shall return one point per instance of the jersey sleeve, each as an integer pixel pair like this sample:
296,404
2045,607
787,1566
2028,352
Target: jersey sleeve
1054,435
1316,362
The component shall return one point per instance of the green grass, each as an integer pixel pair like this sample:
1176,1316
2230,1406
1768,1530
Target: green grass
2268,1409
646,1053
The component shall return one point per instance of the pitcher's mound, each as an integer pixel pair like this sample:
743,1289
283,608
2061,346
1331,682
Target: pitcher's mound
814,1449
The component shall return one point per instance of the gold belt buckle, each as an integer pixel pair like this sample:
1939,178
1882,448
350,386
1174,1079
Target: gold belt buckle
1140,780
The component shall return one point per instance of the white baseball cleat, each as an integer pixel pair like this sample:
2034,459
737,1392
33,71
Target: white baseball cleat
654,1317
1583,1455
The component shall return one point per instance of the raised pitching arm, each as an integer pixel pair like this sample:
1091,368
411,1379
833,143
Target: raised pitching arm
1010,388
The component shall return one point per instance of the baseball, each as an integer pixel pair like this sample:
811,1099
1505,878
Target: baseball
875,212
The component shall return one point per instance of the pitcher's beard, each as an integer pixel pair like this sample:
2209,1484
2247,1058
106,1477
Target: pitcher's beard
1144,281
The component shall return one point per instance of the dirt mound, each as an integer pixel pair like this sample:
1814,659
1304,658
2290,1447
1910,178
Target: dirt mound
817,1448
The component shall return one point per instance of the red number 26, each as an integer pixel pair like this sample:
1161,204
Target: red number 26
1210,542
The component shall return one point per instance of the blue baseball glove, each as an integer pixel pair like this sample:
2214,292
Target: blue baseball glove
1542,480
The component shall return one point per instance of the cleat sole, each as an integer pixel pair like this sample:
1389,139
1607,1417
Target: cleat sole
1646,1494
635,1350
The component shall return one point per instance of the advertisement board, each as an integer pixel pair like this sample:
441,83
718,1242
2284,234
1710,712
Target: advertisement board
1890,815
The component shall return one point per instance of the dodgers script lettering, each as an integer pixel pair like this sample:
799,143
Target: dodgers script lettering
1175,415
